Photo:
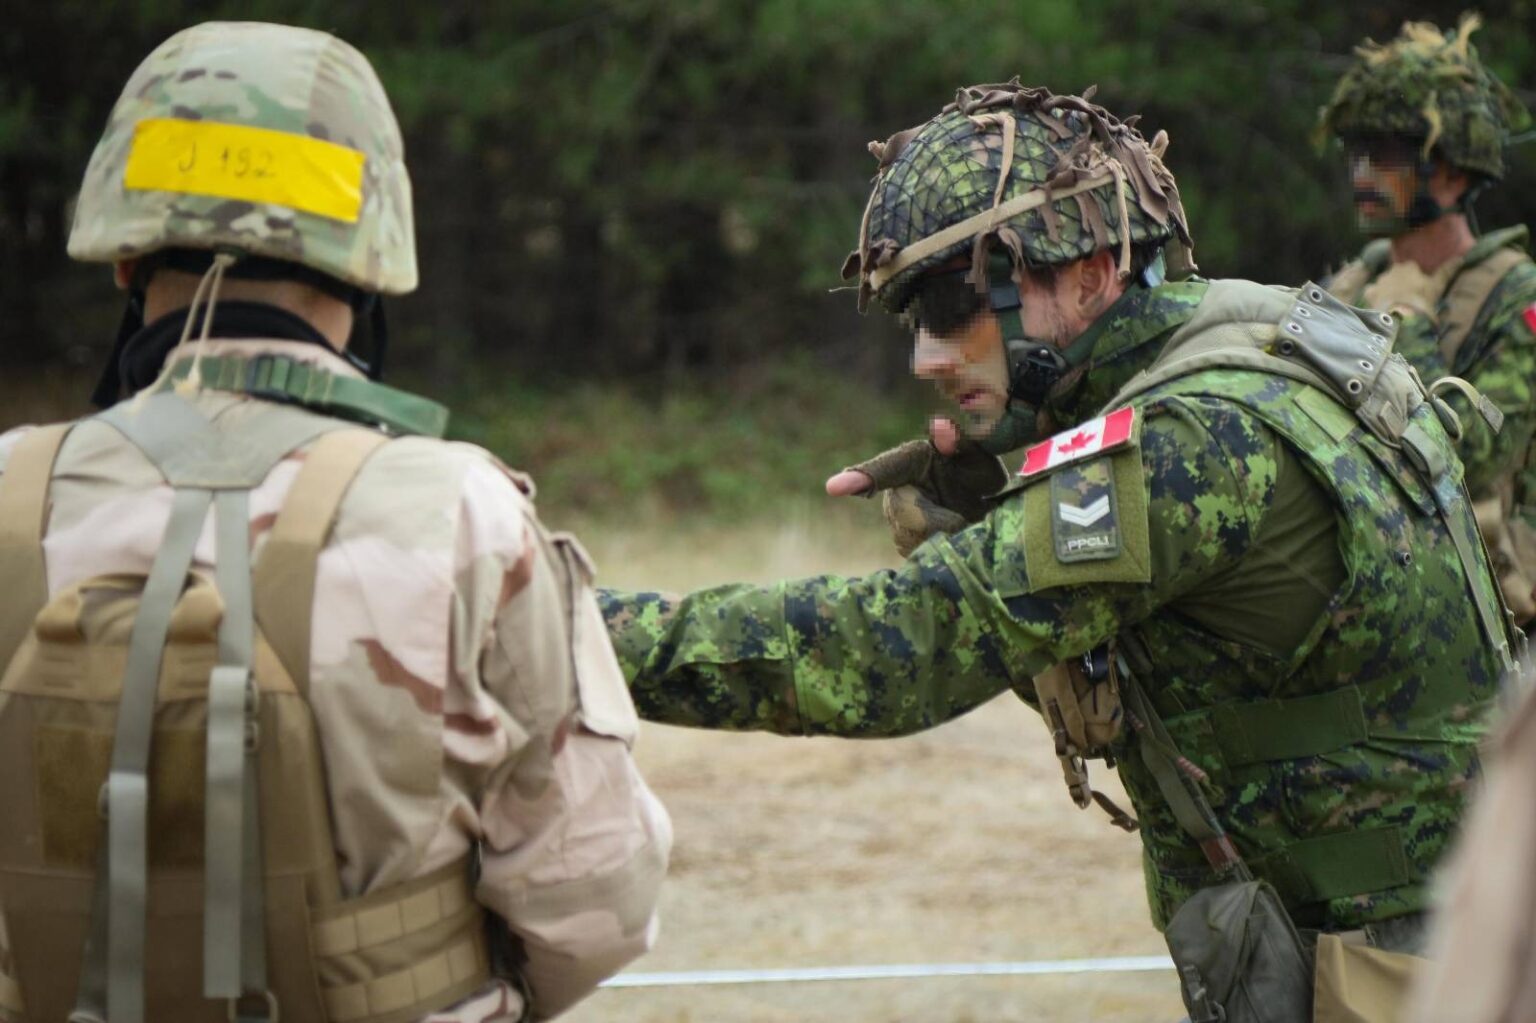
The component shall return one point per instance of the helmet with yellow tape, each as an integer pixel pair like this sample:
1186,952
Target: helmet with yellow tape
265,140
1048,179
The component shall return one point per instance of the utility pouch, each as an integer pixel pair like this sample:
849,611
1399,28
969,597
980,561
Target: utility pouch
1080,704
1239,957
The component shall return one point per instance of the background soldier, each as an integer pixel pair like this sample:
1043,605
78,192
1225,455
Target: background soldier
1425,126
1258,509
415,669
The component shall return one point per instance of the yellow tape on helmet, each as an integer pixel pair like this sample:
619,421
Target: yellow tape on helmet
232,161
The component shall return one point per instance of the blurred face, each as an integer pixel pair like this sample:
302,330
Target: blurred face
959,344
1384,176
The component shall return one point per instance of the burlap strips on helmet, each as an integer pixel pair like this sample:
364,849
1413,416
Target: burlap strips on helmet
947,183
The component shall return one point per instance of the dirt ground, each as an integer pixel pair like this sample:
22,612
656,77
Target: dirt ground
958,845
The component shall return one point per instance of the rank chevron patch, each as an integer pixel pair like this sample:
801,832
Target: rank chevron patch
1086,515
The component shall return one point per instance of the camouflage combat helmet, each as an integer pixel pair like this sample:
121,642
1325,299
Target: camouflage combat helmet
267,140
1428,85
1050,178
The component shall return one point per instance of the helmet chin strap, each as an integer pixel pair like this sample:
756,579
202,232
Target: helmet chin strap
1034,366
1037,368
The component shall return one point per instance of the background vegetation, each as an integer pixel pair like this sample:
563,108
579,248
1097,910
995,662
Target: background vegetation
630,213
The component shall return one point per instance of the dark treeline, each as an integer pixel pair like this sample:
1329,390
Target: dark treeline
640,187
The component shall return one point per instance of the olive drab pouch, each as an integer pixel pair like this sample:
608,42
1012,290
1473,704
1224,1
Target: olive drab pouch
1239,957
1236,950
167,853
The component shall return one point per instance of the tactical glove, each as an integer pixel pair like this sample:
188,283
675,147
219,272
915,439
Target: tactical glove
925,492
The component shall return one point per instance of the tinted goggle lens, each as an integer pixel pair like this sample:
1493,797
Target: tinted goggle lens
1383,151
943,303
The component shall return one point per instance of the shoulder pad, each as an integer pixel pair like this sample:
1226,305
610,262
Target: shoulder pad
1377,255
1086,440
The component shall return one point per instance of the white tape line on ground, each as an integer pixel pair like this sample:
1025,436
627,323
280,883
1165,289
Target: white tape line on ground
1039,967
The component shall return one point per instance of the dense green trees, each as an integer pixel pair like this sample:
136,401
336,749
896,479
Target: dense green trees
639,186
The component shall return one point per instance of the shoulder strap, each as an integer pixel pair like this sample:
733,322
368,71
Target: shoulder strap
1468,293
23,519
283,583
189,450
1171,771
1350,281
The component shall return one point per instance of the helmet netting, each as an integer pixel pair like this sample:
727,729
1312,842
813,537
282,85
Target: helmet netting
947,171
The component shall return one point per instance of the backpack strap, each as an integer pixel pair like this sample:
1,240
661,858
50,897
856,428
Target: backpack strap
284,579
23,519
208,467
1468,293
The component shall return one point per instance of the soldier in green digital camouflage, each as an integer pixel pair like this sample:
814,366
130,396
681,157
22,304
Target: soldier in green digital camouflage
1253,504
1424,124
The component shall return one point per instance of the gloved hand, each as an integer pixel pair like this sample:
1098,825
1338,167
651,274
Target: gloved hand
927,486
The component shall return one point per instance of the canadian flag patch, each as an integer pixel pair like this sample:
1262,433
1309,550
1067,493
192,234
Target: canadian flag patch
1082,441
1530,317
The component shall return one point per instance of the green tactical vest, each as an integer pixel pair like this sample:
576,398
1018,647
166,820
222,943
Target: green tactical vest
1344,777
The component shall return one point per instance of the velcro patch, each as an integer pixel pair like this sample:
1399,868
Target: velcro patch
1086,523
1082,442
1084,514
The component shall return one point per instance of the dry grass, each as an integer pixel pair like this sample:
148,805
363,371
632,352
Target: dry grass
958,845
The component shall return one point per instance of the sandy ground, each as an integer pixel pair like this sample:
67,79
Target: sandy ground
959,845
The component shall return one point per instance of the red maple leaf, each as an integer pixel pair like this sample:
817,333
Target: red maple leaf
1079,440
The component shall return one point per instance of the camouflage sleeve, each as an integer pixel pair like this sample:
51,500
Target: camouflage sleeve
965,618
1418,341
1501,354
573,845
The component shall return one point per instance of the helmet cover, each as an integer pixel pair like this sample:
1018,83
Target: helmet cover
268,140
1429,86
1051,178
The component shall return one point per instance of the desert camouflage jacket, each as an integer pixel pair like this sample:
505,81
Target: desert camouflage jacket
1262,550
457,705
1498,355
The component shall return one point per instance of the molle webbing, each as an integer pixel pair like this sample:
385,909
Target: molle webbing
398,954
1305,871
23,519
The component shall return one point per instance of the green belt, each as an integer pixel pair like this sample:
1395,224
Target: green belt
280,378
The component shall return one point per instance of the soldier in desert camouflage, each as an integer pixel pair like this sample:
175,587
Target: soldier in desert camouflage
1425,124
1252,517
448,825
